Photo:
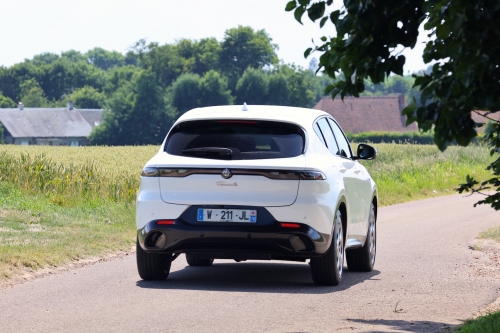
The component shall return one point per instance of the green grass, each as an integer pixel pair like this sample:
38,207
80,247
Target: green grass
485,324
36,233
409,172
492,233
59,204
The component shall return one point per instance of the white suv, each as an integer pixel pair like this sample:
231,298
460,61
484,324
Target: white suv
257,182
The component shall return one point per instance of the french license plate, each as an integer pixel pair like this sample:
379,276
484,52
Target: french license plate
227,215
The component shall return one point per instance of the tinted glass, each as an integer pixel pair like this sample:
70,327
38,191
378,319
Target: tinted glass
318,133
246,140
341,140
328,135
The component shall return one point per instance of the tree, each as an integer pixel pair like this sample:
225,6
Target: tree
118,77
73,56
6,102
44,58
278,92
32,95
213,90
242,47
208,56
87,98
164,61
398,84
301,94
464,43
252,87
136,114
12,77
105,59
63,76
186,92
303,85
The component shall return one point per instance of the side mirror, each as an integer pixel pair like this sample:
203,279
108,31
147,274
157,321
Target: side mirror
366,152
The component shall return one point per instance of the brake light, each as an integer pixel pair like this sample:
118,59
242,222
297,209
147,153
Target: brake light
165,222
289,225
237,122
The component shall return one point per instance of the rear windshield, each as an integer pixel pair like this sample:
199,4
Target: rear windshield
235,139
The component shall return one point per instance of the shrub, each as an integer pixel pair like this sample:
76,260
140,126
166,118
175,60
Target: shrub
391,137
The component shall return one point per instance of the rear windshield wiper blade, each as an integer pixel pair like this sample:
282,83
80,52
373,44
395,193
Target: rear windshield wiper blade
209,150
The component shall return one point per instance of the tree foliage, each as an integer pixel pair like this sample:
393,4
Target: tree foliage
32,95
464,44
278,91
137,114
214,90
243,48
6,102
186,92
105,59
252,87
87,98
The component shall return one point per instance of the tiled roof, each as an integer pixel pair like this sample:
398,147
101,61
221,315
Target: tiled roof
480,117
368,114
45,122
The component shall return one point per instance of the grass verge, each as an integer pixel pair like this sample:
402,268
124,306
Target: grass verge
485,324
36,233
492,233
410,172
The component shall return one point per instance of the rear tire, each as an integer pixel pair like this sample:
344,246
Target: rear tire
195,260
152,266
327,270
363,259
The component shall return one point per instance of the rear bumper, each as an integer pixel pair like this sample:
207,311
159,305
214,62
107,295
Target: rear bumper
235,242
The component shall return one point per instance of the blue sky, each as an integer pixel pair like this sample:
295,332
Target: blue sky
30,27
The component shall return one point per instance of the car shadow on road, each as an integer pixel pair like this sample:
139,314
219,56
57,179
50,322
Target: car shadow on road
413,326
254,277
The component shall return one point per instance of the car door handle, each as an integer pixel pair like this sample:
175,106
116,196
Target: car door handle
357,171
343,170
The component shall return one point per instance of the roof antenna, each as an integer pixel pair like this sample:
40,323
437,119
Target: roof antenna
244,108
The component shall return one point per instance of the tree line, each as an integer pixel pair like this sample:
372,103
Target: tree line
148,87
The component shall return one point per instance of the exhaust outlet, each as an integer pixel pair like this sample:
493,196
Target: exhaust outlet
156,239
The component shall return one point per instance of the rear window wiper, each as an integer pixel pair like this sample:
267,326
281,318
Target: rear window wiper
209,150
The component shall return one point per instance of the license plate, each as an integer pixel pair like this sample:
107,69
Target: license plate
227,215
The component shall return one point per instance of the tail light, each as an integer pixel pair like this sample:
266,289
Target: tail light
289,225
165,222
312,175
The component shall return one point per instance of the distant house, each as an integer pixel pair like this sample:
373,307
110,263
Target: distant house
483,117
49,126
368,114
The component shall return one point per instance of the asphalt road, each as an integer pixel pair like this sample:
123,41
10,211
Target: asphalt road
423,280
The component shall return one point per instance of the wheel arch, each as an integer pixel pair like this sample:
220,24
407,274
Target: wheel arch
342,206
375,205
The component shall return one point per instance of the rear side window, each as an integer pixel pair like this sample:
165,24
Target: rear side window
342,141
235,139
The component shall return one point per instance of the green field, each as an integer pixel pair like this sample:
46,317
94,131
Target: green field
58,204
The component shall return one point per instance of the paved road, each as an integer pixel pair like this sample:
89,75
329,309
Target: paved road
424,265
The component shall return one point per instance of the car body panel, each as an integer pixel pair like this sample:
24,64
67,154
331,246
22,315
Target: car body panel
213,189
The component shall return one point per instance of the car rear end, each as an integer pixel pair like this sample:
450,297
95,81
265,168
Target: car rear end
217,185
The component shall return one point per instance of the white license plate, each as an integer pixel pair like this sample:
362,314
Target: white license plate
227,215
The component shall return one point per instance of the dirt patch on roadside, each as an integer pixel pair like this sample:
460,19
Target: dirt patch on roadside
28,275
486,264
